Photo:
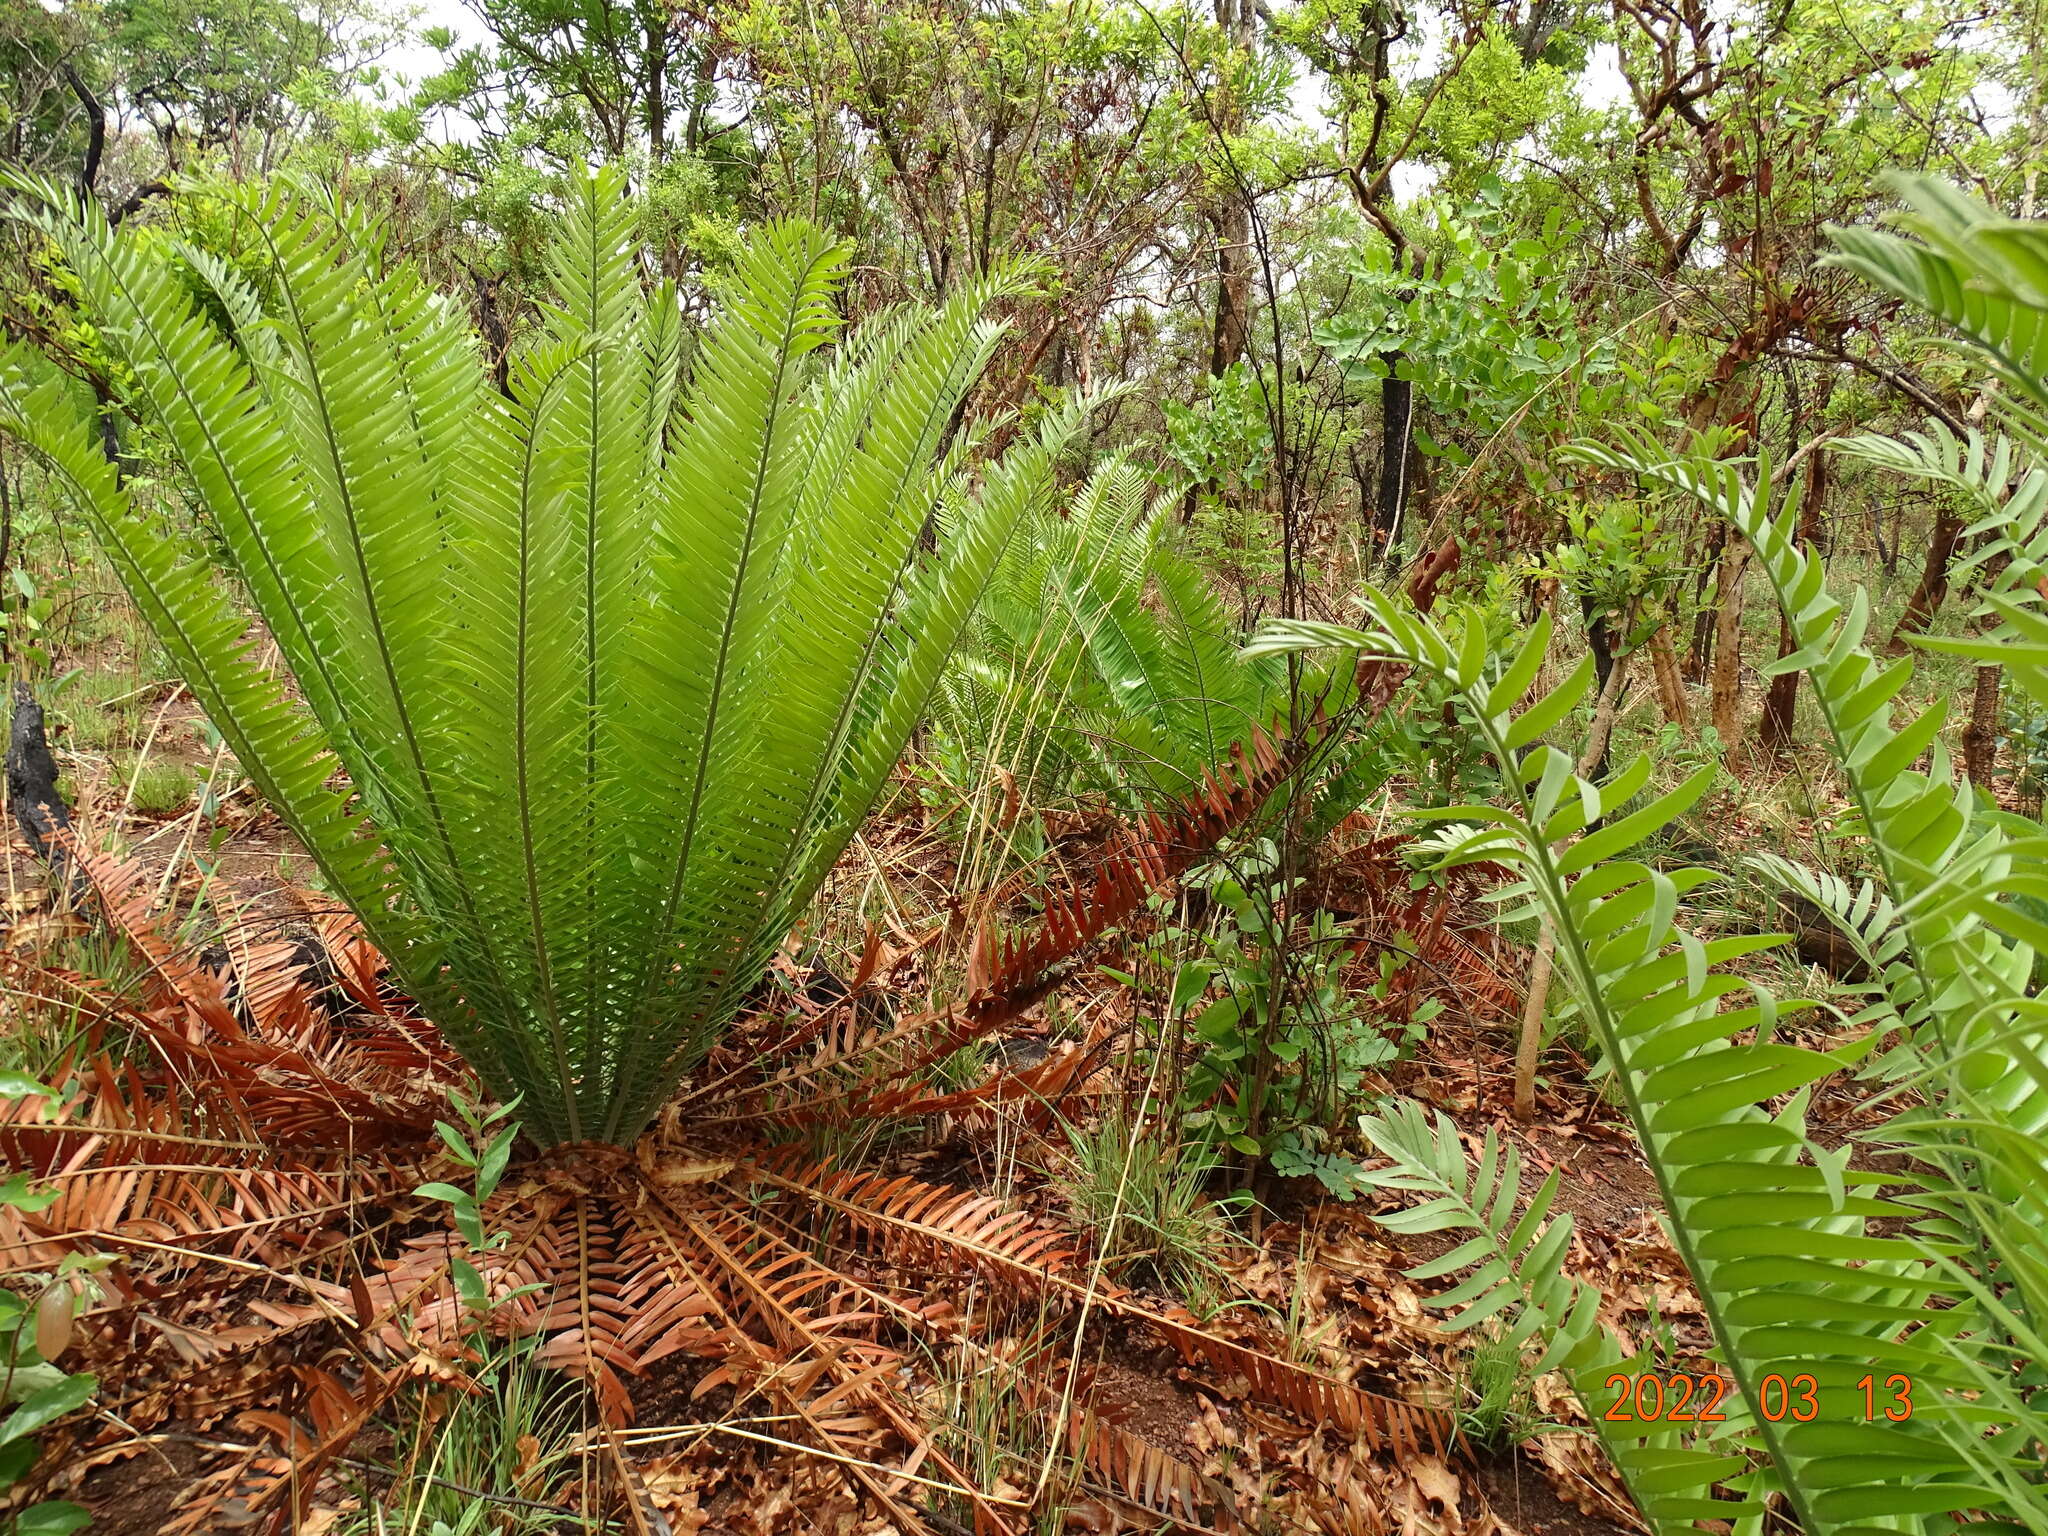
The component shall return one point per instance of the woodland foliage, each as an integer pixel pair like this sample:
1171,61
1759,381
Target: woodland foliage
971,747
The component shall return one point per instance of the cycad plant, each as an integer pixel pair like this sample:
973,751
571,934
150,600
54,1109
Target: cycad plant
1101,659
1881,1327
1101,662
613,666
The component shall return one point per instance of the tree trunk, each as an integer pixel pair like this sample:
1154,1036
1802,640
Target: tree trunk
1781,703
1927,598
1813,504
1233,284
1231,217
1700,654
1397,412
1727,668
6,556
1529,1046
1600,642
39,808
95,129
1774,730
1980,736
1670,685
654,61
1600,734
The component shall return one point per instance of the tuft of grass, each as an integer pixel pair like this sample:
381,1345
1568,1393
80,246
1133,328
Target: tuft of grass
963,1068
1142,1196
1000,1438
64,1005
89,728
105,958
1496,1406
514,1443
1310,1332
156,786
48,1017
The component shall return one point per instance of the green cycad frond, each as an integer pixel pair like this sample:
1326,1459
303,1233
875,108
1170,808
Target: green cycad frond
1870,922
2010,532
1103,659
283,751
613,679
1941,862
1514,1256
1957,960
1515,1283
1981,272
1778,1233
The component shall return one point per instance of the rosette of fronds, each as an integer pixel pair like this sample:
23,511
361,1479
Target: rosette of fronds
1101,660
612,665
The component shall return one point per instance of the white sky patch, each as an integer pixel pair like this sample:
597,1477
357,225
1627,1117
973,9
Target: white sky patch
1412,179
1601,84
1308,99
413,58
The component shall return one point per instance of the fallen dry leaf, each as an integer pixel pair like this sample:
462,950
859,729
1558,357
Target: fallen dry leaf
1434,1479
1580,1474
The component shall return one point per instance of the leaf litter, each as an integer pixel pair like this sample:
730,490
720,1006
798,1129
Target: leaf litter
193,1380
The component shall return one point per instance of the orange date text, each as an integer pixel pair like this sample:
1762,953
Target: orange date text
1687,1399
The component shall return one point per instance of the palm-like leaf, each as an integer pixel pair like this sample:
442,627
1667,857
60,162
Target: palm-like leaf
1102,659
2009,532
1780,1233
612,682
1981,272
1940,1304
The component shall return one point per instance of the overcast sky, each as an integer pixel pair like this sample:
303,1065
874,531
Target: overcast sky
417,59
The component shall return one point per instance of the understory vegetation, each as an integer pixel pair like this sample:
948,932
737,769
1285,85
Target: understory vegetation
1021,769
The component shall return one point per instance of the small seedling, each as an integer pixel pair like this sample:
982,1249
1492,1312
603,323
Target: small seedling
484,1146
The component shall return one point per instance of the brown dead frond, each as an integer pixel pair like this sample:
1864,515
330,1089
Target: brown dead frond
1437,928
924,1225
880,1071
251,1162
